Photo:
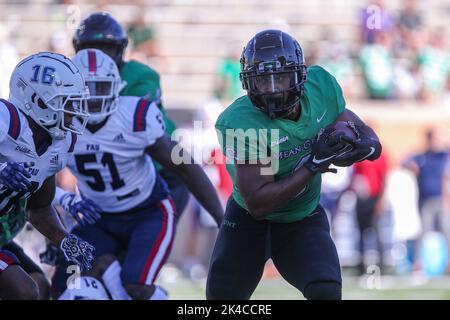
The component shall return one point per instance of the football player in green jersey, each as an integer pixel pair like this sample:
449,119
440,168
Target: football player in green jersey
280,138
101,31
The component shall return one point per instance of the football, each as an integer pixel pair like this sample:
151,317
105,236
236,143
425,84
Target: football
345,128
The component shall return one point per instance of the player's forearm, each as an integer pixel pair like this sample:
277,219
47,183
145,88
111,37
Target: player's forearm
273,195
201,187
46,221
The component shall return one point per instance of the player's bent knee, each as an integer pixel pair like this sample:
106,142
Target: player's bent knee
323,290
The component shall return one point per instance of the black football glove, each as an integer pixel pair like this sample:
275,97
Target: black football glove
324,150
361,149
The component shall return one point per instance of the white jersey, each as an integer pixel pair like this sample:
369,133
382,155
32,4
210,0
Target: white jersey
87,288
111,165
17,144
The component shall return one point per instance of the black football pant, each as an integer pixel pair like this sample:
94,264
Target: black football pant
302,251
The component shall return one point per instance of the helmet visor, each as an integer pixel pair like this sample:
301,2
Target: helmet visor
275,92
102,93
100,89
274,83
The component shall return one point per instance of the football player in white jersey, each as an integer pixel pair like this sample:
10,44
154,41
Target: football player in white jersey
37,136
113,165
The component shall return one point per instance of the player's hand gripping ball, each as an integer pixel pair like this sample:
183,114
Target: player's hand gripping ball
345,128
358,145
323,150
344,131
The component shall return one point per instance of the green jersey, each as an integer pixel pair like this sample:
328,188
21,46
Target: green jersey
248,134
144,81
12,222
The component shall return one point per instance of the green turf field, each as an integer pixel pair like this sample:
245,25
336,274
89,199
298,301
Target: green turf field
355,288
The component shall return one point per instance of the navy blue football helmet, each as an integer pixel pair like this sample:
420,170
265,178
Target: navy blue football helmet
273,72
101,31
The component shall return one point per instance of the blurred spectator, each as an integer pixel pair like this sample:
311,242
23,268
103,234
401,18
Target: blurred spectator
375,18
446,203
335,58
224,184
377,66
228,85
402,196
406,82
60,43
429,168
142,36
333,187
434,66
279,23
410,17
368,183
8,60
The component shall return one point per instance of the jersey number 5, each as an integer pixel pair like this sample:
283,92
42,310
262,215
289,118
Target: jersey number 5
98,184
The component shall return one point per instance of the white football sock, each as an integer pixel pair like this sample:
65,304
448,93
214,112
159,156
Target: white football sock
113,282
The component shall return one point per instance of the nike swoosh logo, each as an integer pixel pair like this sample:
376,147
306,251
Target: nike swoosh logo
372,150
320,119
318,161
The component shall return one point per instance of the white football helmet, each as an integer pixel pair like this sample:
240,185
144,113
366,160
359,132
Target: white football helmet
103,81
49,88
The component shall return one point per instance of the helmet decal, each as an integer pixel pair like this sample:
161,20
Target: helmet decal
49,88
